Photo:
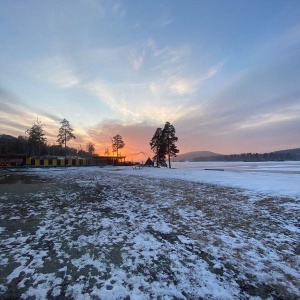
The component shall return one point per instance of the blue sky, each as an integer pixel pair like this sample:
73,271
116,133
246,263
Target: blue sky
226,74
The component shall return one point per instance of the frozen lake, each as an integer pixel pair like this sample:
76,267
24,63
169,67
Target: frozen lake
270,167
274,178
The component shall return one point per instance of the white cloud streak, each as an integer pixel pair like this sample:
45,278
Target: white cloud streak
136,59
55,70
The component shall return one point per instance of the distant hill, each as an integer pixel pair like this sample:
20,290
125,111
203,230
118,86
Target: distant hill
293,151
288,154
189,156
7,137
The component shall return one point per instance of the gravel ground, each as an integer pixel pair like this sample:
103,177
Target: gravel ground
98,234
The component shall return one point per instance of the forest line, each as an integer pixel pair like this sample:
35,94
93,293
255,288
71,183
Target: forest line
35,144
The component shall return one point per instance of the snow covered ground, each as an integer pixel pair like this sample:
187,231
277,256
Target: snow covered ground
120,233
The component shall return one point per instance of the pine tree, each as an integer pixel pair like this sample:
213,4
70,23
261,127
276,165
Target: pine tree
168,134
158,146
163,144
65,133
117,143
36,137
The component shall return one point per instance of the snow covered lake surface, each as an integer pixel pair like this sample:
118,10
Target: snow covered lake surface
120,233
278,178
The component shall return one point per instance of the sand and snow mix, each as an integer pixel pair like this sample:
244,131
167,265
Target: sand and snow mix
119,233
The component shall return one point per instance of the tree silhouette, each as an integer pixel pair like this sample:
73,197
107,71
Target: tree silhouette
169,137
90,148
65,134
36,137
117,143
158,147
163,144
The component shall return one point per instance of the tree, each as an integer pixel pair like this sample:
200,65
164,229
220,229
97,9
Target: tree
36,137
106,152
117,143
163,144
90,148
170,139
65,133
158,147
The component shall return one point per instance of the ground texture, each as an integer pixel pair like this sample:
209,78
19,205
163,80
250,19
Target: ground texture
94,233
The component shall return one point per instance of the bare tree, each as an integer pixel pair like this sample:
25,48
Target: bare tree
90,148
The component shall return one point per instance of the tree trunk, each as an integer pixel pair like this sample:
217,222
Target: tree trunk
65,145
169,154
117,152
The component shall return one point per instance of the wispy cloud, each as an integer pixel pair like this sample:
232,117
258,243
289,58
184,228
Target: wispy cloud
290,37
118,8
126,101
165,90
14,114
272,118
259,105
55,70
166,17
174,85
16,117
169,56
213,70
105,94
136,59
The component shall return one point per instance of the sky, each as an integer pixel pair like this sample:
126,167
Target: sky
225,74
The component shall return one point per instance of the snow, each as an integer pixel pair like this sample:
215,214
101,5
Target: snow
153,233
271,178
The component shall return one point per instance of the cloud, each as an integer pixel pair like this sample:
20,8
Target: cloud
118,9
289,38
16,117
125,100
55,118
135,59
106,93
271,118
250,112
175,70
168,56
181,86
166,89
213,71
165,18
55,70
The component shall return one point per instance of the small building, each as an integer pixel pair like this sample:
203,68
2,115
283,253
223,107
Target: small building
57,161
100,160
149,162
12,160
